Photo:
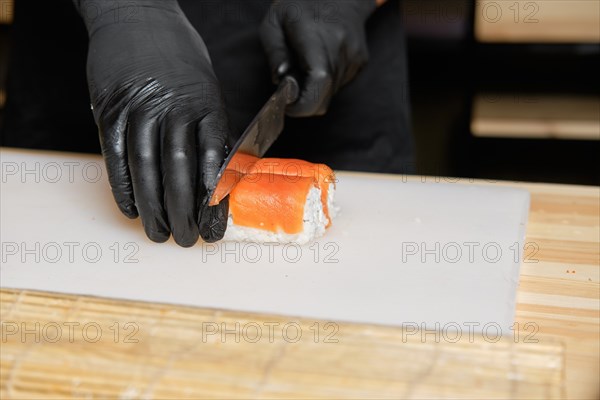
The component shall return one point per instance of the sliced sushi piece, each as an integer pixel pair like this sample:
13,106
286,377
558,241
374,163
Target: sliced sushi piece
275,208
242,162
278,200
321,173
239,166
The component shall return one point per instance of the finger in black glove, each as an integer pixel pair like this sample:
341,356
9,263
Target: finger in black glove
160,114
324,40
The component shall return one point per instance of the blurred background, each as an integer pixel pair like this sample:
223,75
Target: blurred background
499,89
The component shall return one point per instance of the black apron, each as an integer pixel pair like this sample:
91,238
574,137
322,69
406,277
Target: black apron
367,127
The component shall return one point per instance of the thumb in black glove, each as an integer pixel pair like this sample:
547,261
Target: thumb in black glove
160,114
324,41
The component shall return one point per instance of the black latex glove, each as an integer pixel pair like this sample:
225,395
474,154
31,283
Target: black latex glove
324,41
160,114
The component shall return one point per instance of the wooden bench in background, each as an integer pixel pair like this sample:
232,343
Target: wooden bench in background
541,21
518,115
6,11
536,116
6,17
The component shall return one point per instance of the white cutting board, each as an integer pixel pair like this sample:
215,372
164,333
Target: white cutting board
390,258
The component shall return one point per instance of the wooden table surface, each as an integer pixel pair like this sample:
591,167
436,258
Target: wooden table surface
85,347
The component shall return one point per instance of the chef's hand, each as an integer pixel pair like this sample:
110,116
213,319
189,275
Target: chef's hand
160,114
324,41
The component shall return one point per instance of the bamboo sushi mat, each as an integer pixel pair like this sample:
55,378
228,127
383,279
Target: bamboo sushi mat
171,359
158,351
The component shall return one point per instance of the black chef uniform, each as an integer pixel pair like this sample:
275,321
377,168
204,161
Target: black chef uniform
367,127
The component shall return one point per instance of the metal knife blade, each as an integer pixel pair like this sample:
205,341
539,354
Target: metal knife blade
262,132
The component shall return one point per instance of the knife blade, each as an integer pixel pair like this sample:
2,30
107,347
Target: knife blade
262,132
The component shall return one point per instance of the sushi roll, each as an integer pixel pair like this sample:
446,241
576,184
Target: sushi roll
278,200
320,173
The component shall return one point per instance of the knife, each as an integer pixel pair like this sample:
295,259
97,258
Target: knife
262,132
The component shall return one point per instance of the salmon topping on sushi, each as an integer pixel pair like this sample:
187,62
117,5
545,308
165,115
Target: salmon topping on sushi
273,199
239,166
270,202
321,173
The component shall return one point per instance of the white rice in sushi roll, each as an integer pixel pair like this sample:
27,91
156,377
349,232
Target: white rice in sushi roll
270,205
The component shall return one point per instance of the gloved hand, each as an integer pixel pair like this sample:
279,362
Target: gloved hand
324,41
160,114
